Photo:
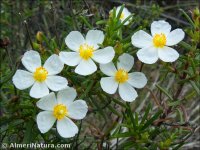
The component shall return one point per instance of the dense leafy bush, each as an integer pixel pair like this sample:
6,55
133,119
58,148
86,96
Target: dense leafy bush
127,78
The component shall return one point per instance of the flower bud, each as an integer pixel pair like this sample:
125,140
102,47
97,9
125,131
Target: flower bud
36,46
39,36
118,48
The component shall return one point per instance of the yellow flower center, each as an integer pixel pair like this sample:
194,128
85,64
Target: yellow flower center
40,74
86,51
122,16
121,76
159,40
60,111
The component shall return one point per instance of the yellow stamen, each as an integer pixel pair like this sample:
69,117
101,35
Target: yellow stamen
122,16
40,74
86,51
159,40
121,76
60,111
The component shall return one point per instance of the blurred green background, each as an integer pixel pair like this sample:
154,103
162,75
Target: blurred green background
22,19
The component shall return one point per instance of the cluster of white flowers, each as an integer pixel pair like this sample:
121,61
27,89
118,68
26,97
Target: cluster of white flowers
85,52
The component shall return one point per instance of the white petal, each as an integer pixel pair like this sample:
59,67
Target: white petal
137,79
148,55
104,56
53,65
141,39
118,9
168,54
109,85
78,109
175,37
86,67
39,90
94,37
125,11
125,61
66,128
127,92
74,39
126,14
47,102
70,58
23,79
45,121
161,26
108,69
31,60
56,83
66,96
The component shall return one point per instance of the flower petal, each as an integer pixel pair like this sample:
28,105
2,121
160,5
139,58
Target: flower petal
118,9
53,65
148,55
160,26
108,69
66,128
137,79
94,37
109,85
45,121
31,60
39,90
126,15
74,39
168,54
86,67
127,92
23,79
104,56
70,58
125,61
125,12
78,109
66,96
56,83
175,37
141,39
47,102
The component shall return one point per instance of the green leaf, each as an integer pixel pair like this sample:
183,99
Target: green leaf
188,18
113,110
121,24
150,121
120,135
86,22
185,45
164,91
130,114
28,133
174,103
120,12
146,113
127,145
87,90
101,22
195,87
99,110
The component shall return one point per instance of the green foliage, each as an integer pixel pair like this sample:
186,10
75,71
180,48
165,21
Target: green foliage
156,119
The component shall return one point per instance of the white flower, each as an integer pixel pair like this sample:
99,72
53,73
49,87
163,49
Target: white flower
42,78
125,13
121,78
85,51
156,46
61,109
